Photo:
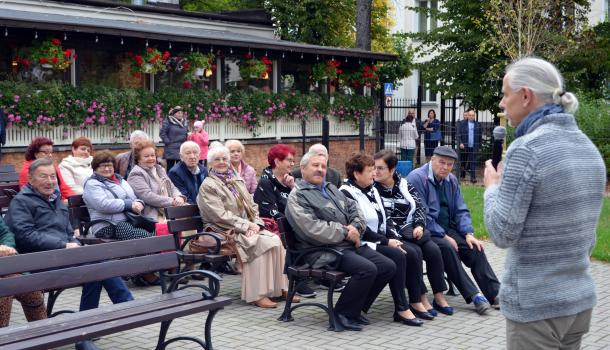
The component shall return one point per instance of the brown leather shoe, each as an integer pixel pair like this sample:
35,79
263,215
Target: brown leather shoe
265,303
295,299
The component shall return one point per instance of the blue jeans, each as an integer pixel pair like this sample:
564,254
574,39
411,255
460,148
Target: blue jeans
115,287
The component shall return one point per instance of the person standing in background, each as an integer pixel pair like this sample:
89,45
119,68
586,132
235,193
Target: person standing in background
408,136
543,206
469,139
173,133
202,138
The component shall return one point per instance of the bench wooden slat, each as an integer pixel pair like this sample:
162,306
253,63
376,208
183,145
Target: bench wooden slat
76,275
7,168
9,177
65,322
59,258
192,223
183,211
10,186
102,328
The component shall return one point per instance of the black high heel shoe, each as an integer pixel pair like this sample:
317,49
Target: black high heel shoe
425,315
414,322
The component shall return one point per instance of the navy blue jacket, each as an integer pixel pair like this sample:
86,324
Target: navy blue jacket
39,224
186,182
459,215
462,134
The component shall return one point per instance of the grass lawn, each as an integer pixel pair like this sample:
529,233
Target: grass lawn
473,195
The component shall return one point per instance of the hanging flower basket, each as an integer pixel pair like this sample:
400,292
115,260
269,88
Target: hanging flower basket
366,75
149,62
50,55
199,66
254,68
326,70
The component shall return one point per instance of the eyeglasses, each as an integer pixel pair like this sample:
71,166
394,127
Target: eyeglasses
105,166
381,168
46,153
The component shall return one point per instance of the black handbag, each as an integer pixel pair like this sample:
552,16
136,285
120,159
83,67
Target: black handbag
139,221
135,220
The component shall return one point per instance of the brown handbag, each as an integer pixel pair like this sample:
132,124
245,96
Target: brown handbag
207,244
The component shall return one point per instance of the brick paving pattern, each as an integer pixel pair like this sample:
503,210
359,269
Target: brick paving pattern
242,326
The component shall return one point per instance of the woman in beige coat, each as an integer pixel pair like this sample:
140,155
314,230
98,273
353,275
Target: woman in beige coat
225,204
151,184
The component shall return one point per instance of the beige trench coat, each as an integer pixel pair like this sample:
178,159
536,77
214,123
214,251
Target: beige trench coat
218,208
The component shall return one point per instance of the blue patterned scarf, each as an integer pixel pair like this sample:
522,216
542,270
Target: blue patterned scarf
536,115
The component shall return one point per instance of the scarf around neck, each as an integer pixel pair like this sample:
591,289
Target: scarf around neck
228,178
536,115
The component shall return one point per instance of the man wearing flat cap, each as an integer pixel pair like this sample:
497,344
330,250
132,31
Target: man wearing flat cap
448,220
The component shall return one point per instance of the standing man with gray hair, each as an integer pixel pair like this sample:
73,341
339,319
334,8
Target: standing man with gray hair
543,205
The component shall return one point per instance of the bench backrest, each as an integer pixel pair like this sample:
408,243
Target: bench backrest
7,168
79,214
288,237
183,218
9,177
59,268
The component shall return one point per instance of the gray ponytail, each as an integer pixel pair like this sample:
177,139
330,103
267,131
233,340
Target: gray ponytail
544,79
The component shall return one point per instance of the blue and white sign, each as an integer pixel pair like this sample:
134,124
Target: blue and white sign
388,89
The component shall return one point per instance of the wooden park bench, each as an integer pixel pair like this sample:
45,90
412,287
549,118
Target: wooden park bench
64,268
300,273
79,216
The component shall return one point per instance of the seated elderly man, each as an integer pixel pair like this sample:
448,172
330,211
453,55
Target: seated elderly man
448,220
125,161
188,174
40,222
332,175
321,215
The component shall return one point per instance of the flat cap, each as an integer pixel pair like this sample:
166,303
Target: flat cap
445,151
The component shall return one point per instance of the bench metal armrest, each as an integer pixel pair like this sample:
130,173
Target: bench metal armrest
217,239
209,292
302,253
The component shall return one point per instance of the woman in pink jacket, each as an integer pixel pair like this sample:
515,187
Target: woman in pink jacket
200,137
239,166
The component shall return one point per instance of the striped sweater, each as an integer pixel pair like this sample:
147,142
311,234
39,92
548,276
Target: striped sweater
545,211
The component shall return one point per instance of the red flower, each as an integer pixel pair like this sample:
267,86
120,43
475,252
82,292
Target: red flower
374,68
55,41
339,71
366,68
214,67
149,50
43,60
68,52
186,66
130,54
137,75
248,56
186,84
54,60
165,55
74,56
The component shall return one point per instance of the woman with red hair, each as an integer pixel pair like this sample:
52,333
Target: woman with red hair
276,182
41,147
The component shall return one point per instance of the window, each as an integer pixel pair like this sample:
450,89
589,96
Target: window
428,95
427,22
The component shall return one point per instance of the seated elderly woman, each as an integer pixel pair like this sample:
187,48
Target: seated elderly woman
76,168
239,166
42,147
276,182
225,204
360,172
32,302
188,174
406,216
151,184
107,196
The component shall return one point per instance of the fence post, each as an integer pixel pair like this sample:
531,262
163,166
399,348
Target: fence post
420,93
326,133
223,130
278,129
381,126
453,118
303,133
443,124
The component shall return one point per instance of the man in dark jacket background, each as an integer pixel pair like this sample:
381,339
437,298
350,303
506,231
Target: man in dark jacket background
187,175
40,222
469,139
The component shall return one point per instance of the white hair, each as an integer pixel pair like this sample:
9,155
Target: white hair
544,79
231,143
215,144
187,144
307,157
215,152
138,134
319,148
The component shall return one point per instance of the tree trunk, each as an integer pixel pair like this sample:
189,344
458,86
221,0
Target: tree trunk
363,24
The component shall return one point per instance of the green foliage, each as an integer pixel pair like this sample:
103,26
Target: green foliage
395,71
55,104
589,72
593,118
219,5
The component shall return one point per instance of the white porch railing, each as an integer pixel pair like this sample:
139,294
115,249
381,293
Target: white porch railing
218,130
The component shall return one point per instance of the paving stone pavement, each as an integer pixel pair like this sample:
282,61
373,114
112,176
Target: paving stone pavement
242,326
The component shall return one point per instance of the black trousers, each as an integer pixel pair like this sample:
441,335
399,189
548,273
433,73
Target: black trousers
370,272
475,260
430,252
397,283
468,162
170,163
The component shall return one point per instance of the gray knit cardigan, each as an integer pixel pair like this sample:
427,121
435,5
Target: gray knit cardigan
545,211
